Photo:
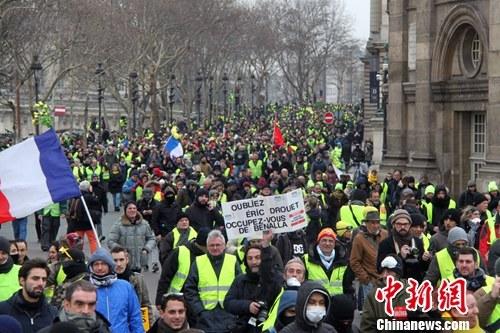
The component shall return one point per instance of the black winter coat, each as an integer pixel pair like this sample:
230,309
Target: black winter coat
170,267
200,216
32,318
115,183
252,287
411,268
165,217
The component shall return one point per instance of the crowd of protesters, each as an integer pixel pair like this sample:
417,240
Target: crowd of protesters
359,233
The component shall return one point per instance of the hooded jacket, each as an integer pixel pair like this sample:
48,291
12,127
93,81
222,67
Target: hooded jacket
135,237
301,324
118,301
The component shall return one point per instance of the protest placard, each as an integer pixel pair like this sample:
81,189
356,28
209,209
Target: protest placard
250,217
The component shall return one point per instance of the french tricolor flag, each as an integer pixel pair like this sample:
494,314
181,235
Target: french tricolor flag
34,174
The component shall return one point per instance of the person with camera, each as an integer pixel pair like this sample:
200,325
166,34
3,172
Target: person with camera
252,294
409,248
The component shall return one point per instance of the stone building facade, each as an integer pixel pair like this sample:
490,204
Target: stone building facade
443,101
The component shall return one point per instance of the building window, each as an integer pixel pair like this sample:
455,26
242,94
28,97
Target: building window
478,142
471,53
476,51
479,134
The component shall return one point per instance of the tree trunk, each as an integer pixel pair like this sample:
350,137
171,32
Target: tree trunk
155,114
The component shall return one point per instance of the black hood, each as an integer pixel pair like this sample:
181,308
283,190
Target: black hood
305,291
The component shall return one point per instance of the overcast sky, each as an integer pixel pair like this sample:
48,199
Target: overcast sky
359,10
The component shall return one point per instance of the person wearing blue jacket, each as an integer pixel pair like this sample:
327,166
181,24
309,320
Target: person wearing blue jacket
116,299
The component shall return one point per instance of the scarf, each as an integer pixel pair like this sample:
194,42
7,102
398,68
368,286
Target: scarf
103,281
6,266
125,275
326,260
67,316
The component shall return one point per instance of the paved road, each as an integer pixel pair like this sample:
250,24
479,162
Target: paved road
109,219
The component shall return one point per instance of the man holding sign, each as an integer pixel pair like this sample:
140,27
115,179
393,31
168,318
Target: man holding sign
250,217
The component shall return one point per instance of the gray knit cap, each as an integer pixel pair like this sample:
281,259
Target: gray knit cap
456,234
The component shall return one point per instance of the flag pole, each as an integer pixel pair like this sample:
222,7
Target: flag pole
91,221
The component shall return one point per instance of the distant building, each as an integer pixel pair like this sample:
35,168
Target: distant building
443,90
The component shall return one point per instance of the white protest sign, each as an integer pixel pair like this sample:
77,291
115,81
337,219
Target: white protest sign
279,213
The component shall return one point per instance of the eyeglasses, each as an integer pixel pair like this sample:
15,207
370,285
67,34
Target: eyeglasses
402,224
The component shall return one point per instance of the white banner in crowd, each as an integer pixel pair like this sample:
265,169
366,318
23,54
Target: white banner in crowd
250,217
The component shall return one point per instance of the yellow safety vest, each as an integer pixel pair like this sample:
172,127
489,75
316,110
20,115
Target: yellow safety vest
385,190
90,172
77,171
445,263
213,290
428,208
383,214
347,216
177,236
427,242
273,314
491,226
53,210
495,314
184,263
9,283
255,168
316,273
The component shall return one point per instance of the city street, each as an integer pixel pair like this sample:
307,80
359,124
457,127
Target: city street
108,220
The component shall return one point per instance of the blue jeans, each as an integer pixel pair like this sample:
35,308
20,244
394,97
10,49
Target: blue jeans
19,226
364,290
116,199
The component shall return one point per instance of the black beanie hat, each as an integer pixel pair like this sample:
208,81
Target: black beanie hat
453,214
417,219
4,245
201,192
478,198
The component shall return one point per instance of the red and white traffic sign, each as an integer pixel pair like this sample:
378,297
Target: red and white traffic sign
59,110
328,118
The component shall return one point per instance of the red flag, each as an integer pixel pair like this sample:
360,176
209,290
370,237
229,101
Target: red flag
277,136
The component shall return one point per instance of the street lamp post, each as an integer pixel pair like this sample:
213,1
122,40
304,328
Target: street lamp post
36,67
237,97
172,97
99,72
224,92
199,83
210,98
134,97
252,78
